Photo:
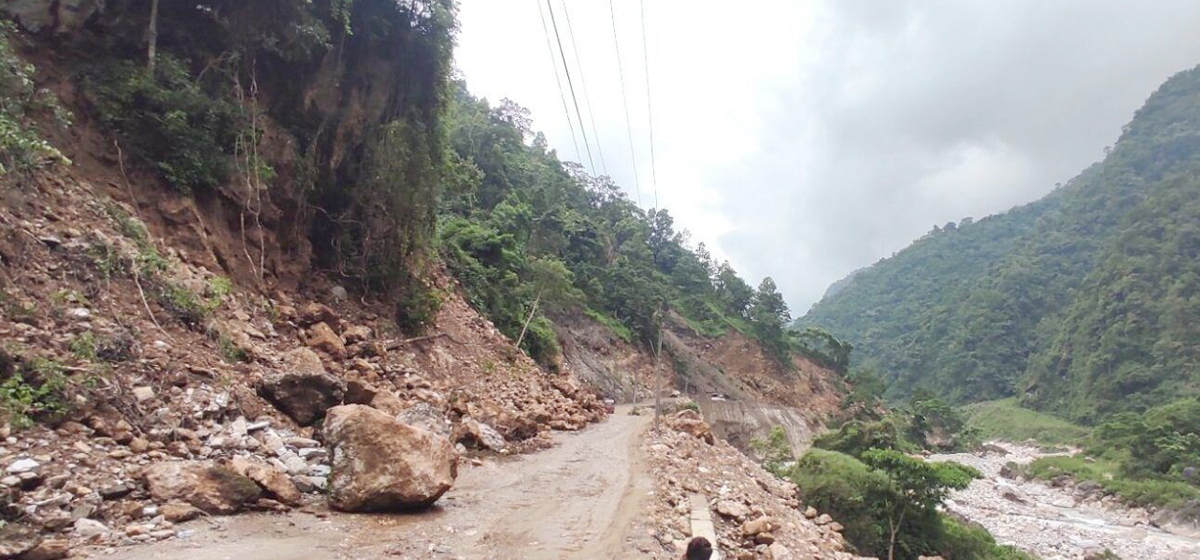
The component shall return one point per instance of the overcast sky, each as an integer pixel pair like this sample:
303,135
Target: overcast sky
805,139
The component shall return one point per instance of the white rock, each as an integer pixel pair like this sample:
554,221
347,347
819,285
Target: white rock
79,313
23,465
86,528
143,393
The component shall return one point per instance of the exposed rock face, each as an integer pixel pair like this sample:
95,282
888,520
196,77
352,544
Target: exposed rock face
303,389
212,489
57,16
382,464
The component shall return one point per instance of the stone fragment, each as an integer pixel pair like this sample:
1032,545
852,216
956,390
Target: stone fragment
272,480
732,509
88,528
321,337
211,488
143,394
302,388
49,549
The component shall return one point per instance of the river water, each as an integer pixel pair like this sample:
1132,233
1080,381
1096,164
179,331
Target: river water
1053,523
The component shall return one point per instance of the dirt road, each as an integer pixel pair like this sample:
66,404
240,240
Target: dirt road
575,500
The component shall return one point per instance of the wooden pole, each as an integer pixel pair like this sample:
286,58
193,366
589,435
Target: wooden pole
657,381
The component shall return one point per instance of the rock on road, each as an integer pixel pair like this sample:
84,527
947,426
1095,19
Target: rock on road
575,500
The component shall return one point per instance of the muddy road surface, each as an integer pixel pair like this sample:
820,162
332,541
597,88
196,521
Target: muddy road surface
578,499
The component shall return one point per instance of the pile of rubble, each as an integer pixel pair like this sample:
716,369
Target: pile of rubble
757,514
167,422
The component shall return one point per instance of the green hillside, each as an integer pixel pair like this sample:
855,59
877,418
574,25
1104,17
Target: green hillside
1081,303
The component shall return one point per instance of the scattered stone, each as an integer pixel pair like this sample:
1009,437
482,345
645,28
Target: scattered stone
49,549
313,313
116,491
382,464
756,526
356,334
321,337
22,466
211,488
272,480
425,416
473,433
178,512
303,390
732,509
143,393
88,528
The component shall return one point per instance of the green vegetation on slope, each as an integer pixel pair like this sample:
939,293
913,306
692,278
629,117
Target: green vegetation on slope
1081,304
1108,474
1007,420
526,233
887,501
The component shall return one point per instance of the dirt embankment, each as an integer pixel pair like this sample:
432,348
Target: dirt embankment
137,353
744,392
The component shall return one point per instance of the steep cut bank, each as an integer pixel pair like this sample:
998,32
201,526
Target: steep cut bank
1075,303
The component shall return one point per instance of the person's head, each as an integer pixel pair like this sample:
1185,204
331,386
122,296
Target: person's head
698,549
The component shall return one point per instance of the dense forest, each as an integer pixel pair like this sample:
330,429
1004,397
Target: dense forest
1083,303
526,233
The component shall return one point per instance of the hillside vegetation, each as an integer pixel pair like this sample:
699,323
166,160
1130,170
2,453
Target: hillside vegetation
1080,304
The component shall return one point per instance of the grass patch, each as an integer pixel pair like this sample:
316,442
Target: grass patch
84,346
1006,420
35,390
1107,473
618,328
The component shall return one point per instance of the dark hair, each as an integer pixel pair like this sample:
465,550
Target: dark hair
698,549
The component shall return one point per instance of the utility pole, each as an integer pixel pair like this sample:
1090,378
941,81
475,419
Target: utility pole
657,381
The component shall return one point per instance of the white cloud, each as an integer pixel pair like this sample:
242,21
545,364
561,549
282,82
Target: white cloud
803,140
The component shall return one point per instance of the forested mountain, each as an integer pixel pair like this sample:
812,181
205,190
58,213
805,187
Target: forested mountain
1083,303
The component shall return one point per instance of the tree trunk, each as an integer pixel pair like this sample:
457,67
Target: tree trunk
895,529
152,37
532,310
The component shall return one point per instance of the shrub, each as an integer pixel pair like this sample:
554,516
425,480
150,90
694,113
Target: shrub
21,148
775,450
36,390
849,491
168,120
541,343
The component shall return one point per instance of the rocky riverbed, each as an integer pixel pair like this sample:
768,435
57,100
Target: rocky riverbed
1058,523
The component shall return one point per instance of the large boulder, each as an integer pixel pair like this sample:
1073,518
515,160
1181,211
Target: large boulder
210,488
382,464
302,388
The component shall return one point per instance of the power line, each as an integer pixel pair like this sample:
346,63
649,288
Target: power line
554,66
571,86
649,104
587,99
625,102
